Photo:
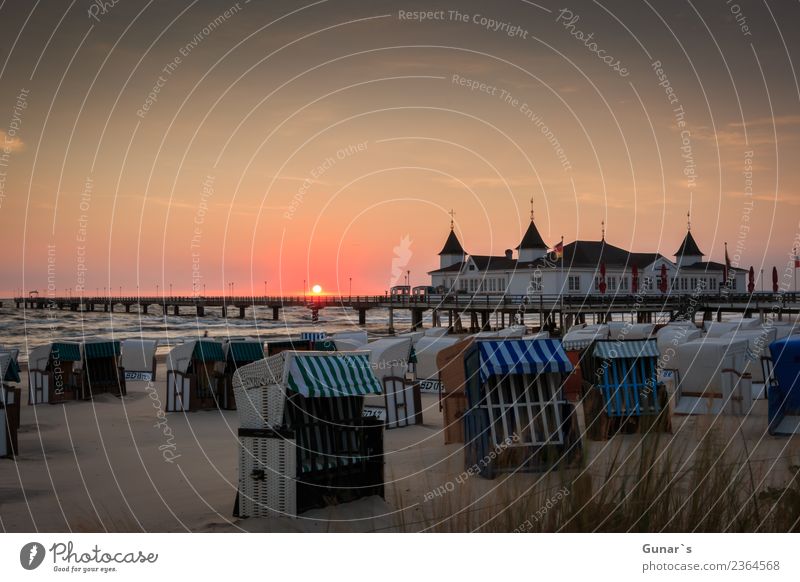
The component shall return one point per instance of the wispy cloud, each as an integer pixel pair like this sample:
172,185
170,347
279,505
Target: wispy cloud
11,144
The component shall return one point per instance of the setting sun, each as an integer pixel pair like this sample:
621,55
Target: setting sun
316,289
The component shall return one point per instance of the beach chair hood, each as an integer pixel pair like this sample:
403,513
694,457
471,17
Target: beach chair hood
327,374
501,358
612,350
137,355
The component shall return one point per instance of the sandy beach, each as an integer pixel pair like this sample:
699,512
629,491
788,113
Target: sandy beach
118,465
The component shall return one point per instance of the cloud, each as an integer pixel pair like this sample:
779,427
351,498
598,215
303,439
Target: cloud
11,144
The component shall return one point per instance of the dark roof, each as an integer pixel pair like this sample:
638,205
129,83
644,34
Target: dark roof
688,247
452,246
487,263
532,239
590,253
454,268
708,266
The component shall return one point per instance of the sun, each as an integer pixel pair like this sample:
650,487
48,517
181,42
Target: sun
316,289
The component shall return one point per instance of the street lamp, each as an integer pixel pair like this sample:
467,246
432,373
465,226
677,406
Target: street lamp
170,289
350,293
265,288
304,288
762,280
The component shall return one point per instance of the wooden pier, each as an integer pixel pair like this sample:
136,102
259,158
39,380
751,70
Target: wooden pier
548,312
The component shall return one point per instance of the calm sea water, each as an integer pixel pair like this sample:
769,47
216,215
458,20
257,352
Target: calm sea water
26,329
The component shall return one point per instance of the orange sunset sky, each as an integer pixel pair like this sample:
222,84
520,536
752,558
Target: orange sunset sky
307,141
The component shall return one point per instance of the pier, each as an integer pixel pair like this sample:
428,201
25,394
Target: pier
458,312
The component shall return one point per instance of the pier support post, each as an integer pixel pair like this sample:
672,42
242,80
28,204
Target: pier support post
176,310
144,308
362,317
719,315
416,319
391,320
484,320
224,311
127,308
201,311
105,306
276,313
241,312
450,320
457,325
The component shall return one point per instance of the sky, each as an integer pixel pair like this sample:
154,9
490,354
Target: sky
225,146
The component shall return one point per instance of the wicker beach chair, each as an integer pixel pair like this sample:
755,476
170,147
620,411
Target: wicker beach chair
517,418
304,442
622,391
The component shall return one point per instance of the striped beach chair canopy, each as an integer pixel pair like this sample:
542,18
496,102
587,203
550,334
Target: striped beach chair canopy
101,349
327,374
503,357
9,368
630,349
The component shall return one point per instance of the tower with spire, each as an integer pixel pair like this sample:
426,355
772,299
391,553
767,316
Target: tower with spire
688,253
452,252
532,246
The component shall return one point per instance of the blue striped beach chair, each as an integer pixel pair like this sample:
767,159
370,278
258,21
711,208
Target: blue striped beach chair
622,386
517,418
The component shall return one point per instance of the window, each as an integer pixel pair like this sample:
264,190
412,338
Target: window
472,267
733,281
713,284
536,281
684,283
623,283
596,283
693,283
612,283
647,284
574,283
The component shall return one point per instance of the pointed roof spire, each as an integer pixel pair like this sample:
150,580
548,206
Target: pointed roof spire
532,239
603,230
689,247
452,246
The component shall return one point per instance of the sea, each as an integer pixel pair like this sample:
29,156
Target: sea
26,329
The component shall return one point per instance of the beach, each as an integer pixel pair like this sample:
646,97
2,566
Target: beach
121,464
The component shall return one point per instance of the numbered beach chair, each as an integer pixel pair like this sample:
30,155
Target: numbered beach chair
237,353
712,377
139,360
193,383
575,343
622,391
304,442
400,403
427,350
9,403
100,371
783,395
517,418
52,377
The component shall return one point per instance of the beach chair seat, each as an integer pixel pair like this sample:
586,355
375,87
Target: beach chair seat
622,390
711,377
309,406
517,417
783,397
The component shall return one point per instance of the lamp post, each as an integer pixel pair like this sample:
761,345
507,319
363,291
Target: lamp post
170,289
350,290
762,280
265,288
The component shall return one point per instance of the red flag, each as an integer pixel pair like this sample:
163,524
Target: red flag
751,283
774,279
559,250
635,279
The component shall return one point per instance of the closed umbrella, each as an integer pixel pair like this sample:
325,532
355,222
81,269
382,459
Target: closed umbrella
602,284
751,283
774,279
635,279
